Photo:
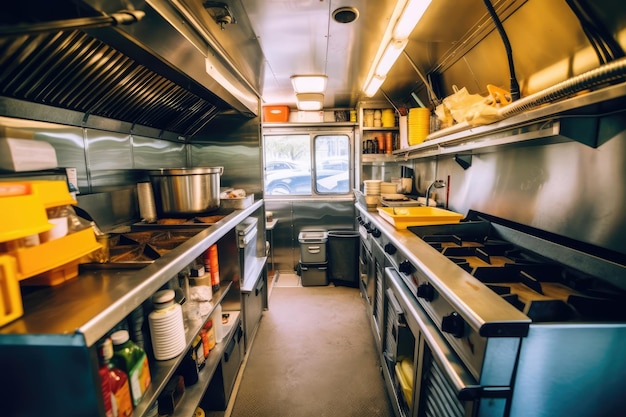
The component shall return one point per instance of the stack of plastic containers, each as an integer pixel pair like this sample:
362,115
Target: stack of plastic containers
313,262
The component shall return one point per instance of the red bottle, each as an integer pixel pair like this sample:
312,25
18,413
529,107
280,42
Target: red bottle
105,382
122,405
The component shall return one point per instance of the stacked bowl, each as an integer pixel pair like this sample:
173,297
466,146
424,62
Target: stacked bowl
371,189
418,125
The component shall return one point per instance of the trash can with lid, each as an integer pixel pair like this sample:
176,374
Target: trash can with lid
343,257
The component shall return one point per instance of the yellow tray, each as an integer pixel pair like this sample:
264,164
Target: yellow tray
38,259
403,217
24,214
52,193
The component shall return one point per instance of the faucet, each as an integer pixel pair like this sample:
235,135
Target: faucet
436,184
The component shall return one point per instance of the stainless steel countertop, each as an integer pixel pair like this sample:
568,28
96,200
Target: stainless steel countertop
86,307
474,301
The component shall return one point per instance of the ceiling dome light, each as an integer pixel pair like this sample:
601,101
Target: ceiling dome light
310,101
309,83
345,15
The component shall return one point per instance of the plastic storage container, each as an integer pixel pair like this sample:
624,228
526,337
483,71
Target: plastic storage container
314,274
313,246
343,257
275,114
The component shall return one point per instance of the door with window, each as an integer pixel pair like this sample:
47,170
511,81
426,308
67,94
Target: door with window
307,163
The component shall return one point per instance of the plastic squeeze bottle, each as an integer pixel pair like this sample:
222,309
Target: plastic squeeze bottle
121,401
133,360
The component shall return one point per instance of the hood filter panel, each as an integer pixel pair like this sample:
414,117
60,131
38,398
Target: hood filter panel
75,71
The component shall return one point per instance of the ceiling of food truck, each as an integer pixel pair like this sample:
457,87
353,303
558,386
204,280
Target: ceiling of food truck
176,69
299,37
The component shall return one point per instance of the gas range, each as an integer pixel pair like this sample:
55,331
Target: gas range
533,279
518,320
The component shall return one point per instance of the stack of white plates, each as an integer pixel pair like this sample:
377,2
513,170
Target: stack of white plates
167,331
371,187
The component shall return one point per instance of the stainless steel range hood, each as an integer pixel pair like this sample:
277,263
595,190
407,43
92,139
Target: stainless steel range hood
146,74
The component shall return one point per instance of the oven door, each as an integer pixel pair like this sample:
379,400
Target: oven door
366,262
441,384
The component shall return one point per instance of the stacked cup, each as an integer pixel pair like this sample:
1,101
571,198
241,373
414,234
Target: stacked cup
419,125
167,329
388,118
371,189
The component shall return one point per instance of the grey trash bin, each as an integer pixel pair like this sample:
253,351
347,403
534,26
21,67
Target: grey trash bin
343,257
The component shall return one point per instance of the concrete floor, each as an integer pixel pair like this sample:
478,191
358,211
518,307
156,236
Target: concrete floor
313,355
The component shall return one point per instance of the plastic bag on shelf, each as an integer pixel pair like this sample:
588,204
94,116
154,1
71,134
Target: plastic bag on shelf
473,109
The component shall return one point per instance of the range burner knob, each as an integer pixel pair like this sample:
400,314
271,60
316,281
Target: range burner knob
376,232
367,226
453,324
405,267
426,291
390,249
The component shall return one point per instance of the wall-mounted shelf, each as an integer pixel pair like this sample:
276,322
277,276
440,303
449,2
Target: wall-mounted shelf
575,119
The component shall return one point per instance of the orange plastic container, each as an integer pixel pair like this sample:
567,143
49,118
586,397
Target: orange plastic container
276,114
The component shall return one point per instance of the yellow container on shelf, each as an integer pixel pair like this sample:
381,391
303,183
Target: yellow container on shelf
21,211
52,193
403,217
10,296
418,125
406,385
36,260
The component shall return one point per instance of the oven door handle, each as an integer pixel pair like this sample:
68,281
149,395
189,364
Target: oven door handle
393,301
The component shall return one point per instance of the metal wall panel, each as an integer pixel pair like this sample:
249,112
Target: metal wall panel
566,188
109,157
311,214
235,145
151,153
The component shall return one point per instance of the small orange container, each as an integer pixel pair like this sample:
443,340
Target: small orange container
276,114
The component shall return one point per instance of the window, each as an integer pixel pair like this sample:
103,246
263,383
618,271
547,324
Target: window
289,160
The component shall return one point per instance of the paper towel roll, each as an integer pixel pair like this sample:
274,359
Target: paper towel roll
147,208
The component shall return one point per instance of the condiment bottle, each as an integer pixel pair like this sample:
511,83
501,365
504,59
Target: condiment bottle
215,269
209,331
133,360
105,382
121,402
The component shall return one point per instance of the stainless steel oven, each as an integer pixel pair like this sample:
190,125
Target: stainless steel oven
426,375
372,263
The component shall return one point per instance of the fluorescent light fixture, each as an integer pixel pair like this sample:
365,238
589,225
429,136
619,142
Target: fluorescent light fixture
309,83
391,54
374,84
394,41
412,14
310,101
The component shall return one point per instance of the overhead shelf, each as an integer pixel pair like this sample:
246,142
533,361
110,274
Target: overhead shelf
574,119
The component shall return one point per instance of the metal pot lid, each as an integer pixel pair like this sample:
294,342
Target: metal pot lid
186,171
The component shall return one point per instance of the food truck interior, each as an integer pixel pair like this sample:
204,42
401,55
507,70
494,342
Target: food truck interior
459,165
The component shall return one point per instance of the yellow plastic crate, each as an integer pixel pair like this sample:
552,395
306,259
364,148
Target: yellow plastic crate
52,193
10,297
403,217
23,214
38,259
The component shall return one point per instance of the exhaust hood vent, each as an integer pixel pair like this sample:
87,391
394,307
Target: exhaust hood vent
75,71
